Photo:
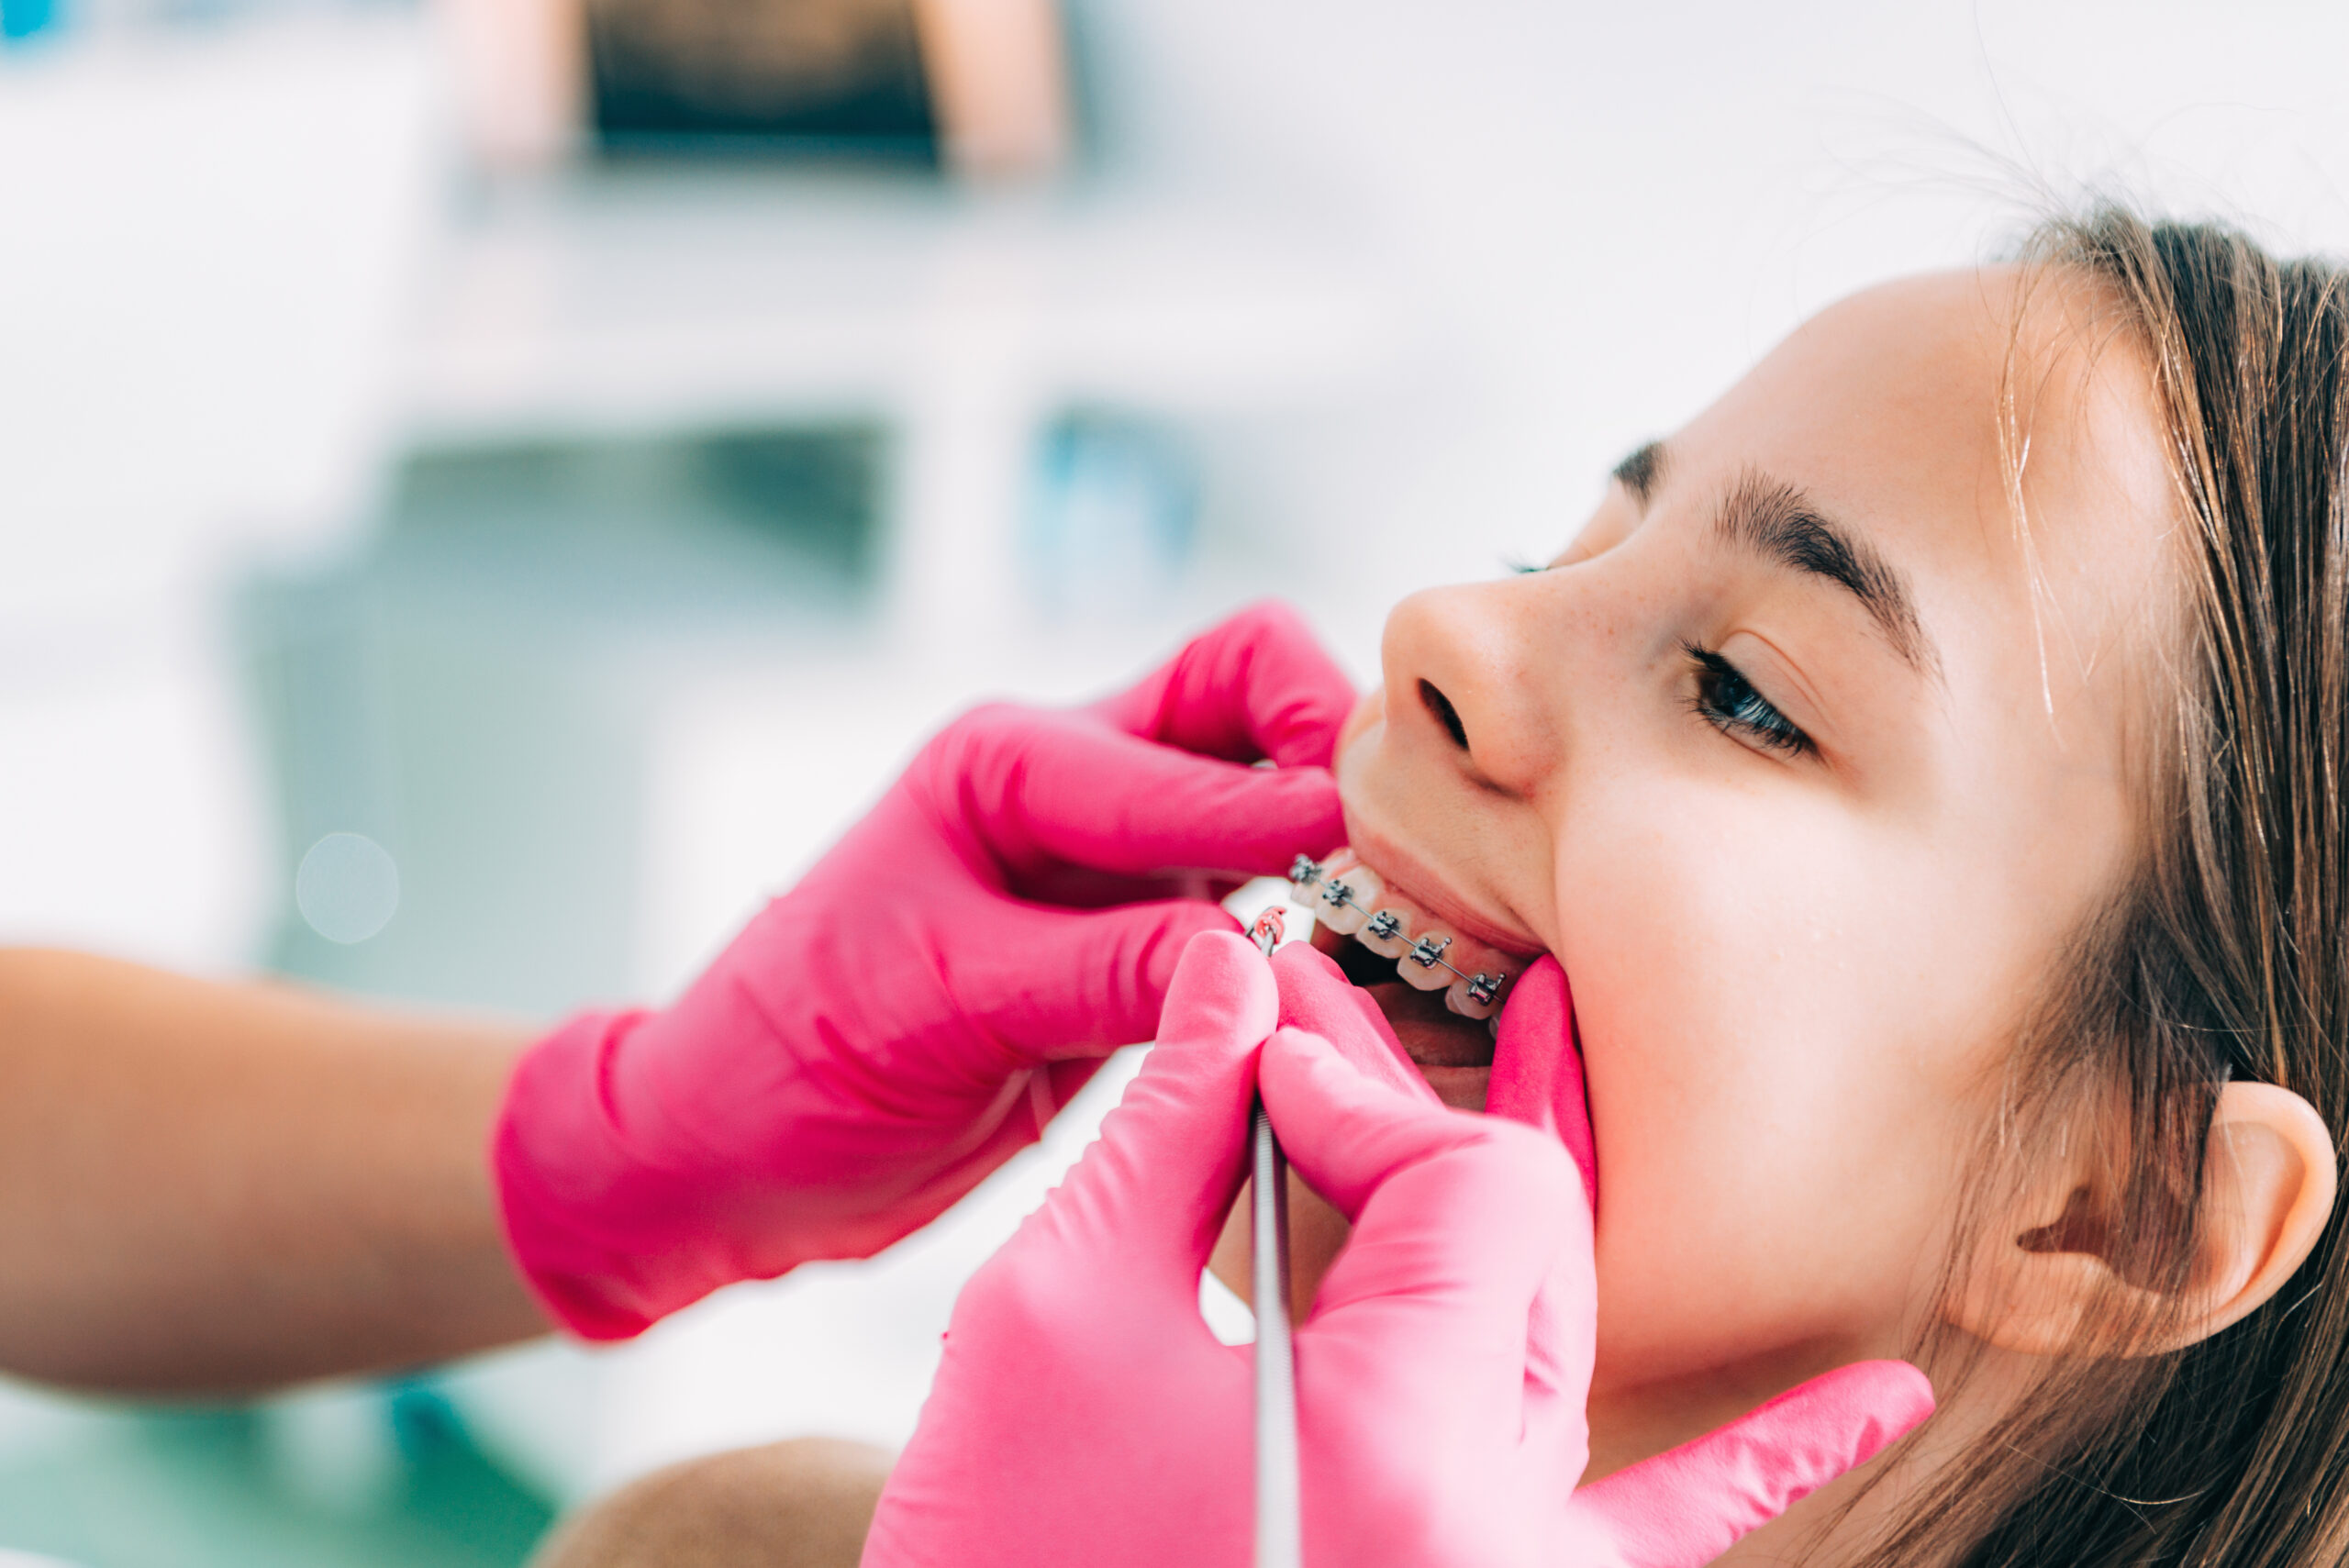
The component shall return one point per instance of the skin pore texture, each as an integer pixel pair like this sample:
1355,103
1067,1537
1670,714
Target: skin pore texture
1806,759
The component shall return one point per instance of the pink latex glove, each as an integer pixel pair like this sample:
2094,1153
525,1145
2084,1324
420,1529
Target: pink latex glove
891,1029
1085,1414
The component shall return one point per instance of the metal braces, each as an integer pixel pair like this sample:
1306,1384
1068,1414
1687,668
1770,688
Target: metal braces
1427,952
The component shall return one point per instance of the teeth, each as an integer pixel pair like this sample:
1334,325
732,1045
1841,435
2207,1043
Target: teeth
1345,898
1422,965
1387,932
1341,891
1351,899
1472,1000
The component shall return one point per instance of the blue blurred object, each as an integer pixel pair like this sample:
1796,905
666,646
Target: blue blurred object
1112,515
22,19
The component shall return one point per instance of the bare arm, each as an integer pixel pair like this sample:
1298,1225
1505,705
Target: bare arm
216,1187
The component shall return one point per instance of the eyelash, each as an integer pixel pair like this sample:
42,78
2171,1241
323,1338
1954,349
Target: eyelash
1725,699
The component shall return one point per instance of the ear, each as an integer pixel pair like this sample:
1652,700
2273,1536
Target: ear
2268,1186
2268,1190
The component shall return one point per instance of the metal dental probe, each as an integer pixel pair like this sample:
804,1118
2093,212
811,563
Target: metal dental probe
1280,1534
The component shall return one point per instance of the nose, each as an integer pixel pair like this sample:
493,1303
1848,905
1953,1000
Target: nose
1456,692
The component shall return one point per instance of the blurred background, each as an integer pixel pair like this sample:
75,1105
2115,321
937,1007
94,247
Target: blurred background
486,491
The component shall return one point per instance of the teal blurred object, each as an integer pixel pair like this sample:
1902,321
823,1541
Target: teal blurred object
1112,515
22,19
457,716
198,1489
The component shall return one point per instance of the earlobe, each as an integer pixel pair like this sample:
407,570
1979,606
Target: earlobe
2269,1184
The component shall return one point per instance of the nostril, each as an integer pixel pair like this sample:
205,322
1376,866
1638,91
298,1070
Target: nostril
1445,714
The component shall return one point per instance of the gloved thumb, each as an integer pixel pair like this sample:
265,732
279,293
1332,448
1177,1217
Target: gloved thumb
1457,1219
1149,1199
1685,1506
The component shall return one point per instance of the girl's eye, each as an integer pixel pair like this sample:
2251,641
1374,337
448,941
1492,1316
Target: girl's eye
1727,701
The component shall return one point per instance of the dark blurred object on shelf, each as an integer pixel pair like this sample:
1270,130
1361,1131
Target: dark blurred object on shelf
843,74
976,86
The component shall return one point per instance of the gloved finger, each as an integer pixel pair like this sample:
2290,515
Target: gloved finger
1687,1506
1441,1201
1057,985
1537,1067
1056,785
1315,996
1457,1222
1150,1196
1260,685
1349,1133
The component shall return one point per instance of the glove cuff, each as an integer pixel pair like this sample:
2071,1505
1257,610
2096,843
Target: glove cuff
597,1228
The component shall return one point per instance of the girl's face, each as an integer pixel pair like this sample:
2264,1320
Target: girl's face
1804,760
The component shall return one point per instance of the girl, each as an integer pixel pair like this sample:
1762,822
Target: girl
1924,769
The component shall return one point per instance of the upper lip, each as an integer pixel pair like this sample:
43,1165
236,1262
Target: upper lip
1411,876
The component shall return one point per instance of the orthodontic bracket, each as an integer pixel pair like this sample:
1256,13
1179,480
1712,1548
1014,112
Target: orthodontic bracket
1306,873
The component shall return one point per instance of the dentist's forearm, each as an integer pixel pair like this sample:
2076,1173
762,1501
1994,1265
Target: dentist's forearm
216,1187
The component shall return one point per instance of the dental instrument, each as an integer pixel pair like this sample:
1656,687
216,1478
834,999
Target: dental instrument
1428,952
1279,1514
1280,1529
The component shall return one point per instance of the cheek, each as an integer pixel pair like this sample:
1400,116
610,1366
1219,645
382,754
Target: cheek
1776,1130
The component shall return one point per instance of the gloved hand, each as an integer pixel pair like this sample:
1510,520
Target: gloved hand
1085,1414
892,1029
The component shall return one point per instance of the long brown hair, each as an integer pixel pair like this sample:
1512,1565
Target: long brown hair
2226,955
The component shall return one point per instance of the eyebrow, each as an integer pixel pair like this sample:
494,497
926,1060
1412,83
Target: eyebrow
1780,523
1641,471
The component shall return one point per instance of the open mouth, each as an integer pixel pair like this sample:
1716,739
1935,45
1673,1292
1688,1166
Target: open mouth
1453,1053
1440,1017
1437,988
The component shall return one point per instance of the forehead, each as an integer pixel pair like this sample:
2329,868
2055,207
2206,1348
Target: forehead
1996,432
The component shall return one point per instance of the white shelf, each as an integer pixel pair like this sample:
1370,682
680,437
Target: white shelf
653,295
